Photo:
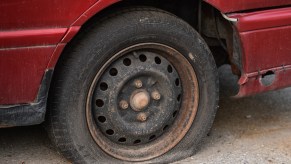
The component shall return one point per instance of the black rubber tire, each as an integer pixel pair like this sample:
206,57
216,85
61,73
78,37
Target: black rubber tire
74,74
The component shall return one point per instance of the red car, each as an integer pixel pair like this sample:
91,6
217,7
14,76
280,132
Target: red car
134,80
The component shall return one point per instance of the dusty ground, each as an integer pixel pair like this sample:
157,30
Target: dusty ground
256,129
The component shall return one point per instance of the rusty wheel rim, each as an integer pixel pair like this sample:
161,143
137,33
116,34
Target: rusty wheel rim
110,106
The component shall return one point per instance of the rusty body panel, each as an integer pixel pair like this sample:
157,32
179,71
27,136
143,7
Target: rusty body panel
265,42
252,83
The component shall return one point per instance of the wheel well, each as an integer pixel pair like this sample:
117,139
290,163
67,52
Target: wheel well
207,20
184,9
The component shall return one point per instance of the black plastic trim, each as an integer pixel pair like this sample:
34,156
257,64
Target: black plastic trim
27,114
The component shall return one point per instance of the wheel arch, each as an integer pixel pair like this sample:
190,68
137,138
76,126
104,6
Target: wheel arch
187,10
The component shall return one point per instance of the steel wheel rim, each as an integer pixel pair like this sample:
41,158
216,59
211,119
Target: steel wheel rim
165,141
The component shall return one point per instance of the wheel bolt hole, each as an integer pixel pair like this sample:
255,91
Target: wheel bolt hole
101,119
127,62
175,113
122,139
137,141
158,60
110,132
103,86
166,127
99,103
170,69
152,137
177,82
179,98
142,58
113,72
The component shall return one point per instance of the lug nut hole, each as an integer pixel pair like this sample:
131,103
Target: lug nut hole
101,119
170,69
142,58
122,139
152,137
166,127
110,132
175,113
177,82
113,72
179,98
99,103
103,86
137,141
127,62
158,60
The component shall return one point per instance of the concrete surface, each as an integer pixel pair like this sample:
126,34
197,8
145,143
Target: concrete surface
256,129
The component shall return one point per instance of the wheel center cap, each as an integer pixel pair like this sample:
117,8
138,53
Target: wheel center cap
139,100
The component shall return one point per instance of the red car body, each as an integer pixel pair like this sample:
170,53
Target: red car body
33,35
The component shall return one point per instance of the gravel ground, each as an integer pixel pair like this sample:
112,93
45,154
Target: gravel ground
255,129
